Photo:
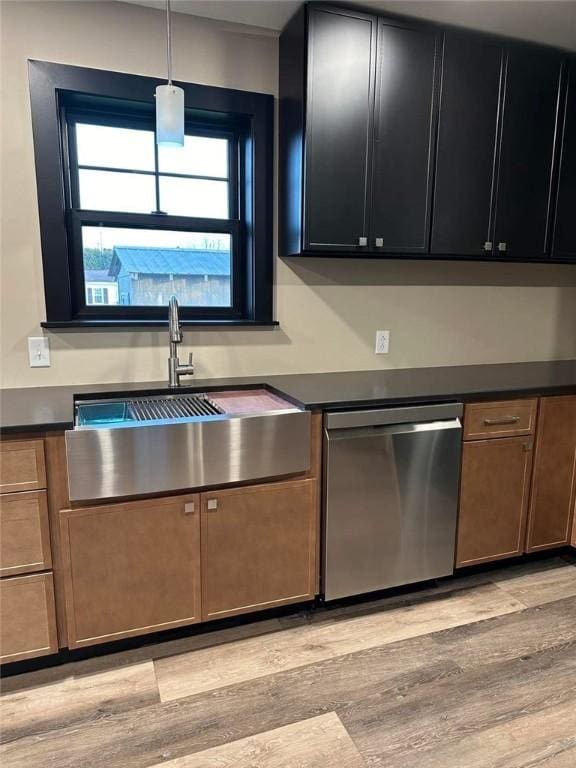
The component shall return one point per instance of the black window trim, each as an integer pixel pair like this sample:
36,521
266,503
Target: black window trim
60,92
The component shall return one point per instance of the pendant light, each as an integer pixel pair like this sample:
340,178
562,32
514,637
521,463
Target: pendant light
169,101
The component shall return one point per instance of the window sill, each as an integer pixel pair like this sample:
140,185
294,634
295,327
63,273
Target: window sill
63,325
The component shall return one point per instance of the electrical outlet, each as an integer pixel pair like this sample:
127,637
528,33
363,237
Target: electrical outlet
382,342
39,352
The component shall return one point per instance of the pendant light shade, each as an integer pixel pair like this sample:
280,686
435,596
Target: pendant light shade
169,116
169,101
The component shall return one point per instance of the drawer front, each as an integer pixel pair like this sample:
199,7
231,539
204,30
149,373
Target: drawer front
24,533
22,466
27,617
503,419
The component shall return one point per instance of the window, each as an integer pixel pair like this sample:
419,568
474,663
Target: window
143,222
97,295
120,169
116,168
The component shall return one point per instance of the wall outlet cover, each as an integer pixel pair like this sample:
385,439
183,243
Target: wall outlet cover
382,342
39,352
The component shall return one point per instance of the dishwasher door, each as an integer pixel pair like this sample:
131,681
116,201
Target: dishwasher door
391,497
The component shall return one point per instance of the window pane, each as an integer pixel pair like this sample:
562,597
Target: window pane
112,147
114,191
144,267
194,197
200,156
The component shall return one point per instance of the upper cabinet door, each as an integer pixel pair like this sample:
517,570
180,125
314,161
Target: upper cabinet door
406,110
564,246
466,151
338,132
527,151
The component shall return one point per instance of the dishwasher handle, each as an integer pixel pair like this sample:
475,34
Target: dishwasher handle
387,416
384,430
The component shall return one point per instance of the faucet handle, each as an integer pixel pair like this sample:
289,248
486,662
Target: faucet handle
191,358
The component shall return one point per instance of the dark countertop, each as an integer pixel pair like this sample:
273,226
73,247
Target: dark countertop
51,408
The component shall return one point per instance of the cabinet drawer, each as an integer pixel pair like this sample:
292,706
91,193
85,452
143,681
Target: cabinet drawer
27,617
24,533
22,466
502,419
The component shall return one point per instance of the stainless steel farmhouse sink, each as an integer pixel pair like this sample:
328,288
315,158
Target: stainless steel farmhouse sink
131,446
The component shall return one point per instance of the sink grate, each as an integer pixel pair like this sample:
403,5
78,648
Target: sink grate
179,407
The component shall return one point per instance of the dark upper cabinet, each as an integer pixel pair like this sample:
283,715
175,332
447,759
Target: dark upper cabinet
467,144
338,129
496,148
529,115
358,104
404,135
564,242
399,138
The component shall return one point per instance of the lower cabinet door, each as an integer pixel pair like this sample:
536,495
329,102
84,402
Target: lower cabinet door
258,547
494,496
554,476
27,617
131,568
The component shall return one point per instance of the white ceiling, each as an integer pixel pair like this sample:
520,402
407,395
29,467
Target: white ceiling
546,21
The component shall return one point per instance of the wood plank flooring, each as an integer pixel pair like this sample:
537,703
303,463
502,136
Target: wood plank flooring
308,743
214,667
477,672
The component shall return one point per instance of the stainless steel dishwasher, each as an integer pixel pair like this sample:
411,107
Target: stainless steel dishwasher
390,497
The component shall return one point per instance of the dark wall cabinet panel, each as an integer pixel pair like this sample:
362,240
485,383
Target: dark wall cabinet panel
406,78
527,152
338,129
565,225
292,67
467,139
404,138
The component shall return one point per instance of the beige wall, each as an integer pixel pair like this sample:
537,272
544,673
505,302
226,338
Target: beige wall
438,313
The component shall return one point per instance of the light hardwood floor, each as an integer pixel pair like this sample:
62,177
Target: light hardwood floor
478,672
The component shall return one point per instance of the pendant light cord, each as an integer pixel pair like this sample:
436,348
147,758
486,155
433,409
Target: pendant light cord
169,41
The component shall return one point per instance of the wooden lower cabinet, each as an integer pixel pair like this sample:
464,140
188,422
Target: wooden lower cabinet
138,567
22,466
494,494
27,617
24,533
131,568
554,476
508,418
259,547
